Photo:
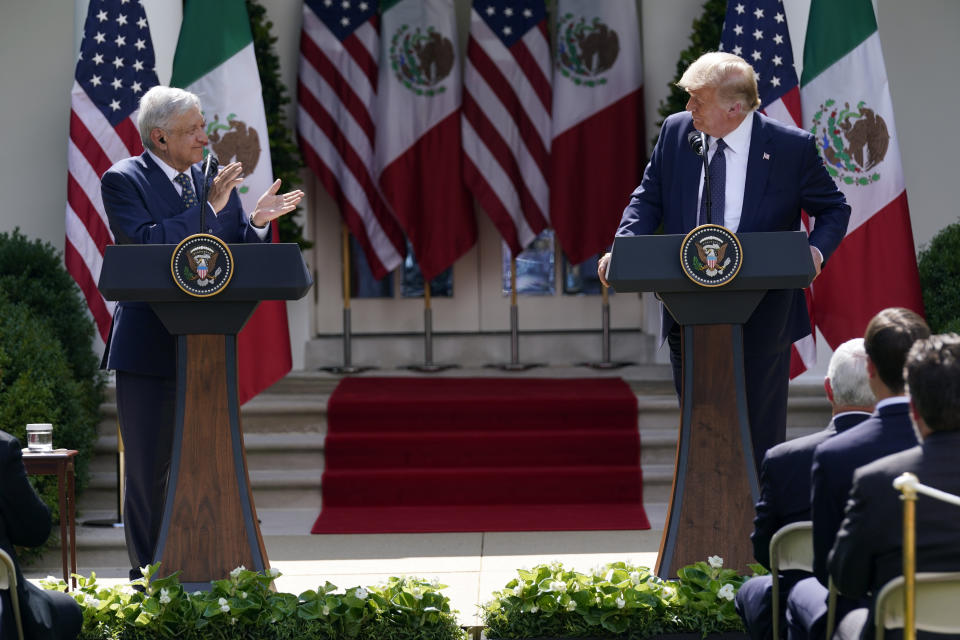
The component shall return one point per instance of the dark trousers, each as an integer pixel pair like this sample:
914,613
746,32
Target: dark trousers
145,406
767,380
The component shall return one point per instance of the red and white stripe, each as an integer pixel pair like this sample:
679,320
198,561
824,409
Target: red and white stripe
505,129
94,146
337,88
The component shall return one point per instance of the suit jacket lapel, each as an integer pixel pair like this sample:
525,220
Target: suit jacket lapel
690,166
758,171
162,186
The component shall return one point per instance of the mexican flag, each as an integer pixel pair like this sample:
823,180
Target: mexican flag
418,131
846,105
598,150
215,60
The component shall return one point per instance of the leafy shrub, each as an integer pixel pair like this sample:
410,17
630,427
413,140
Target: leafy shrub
48,372
617,601
243,606
939,265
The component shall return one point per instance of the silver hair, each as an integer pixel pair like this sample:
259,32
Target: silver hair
848,375
159,107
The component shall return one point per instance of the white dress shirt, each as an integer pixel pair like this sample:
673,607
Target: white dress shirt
736,156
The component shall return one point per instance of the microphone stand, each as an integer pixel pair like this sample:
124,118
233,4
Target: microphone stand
211,161
706,180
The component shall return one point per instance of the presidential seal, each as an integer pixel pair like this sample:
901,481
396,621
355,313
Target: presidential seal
202,265
711,255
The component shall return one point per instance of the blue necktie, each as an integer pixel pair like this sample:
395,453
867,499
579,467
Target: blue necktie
718,185
189,196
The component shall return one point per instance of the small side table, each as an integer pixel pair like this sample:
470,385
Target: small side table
59,462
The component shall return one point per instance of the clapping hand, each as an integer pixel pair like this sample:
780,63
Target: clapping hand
272,205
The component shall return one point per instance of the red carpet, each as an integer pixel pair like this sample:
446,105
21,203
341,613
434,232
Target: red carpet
413,455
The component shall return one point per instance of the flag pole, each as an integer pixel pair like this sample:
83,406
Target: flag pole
428,366
605,363
514,364
347,367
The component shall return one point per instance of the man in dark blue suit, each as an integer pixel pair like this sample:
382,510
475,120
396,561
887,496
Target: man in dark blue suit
867,552
153,199
25,521
887,340
785,483
771,173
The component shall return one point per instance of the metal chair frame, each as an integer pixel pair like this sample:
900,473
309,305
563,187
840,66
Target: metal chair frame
791,547
8,582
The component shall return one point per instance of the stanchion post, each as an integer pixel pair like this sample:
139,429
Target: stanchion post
347,367
606,362
514,364
908,490
428,366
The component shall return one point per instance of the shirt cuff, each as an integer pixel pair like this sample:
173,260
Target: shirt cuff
818,251
260,231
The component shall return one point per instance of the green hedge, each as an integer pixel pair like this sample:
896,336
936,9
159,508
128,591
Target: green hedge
48,371
939,265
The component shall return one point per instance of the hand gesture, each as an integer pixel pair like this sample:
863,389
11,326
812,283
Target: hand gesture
224,182
602,265
272,205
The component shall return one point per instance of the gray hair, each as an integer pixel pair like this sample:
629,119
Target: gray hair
848,375
159,107
732,77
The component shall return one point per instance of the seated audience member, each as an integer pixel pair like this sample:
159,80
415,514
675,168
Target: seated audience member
887,340
785,483
867,551
25,521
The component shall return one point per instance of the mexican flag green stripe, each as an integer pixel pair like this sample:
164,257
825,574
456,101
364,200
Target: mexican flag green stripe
846,105
211,34
215,60
834,29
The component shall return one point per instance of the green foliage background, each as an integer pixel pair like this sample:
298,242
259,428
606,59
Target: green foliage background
939,265
48,372
704,36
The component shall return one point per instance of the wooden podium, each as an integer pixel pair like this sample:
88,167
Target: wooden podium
209,524
715,481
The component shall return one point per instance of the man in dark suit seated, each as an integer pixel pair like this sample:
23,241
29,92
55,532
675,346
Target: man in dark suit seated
887,340
25,521
785,483
154,198
868,549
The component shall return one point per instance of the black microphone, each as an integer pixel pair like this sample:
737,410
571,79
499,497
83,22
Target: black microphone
698,143
210,167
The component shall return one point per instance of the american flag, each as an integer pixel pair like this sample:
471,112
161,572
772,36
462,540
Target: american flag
337,89
507,99
115,68
756,30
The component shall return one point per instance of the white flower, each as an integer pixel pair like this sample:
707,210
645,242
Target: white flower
558,586
715,561
534,609
621,603
726,592
609,575
634,577
143,571
668,591
326,610
417,593
243,594
360,593
273,572
52,579
164,596
90,601
197,594
127,590
571,605
435,582
518,590
233,621
225,608
222,601
236,572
